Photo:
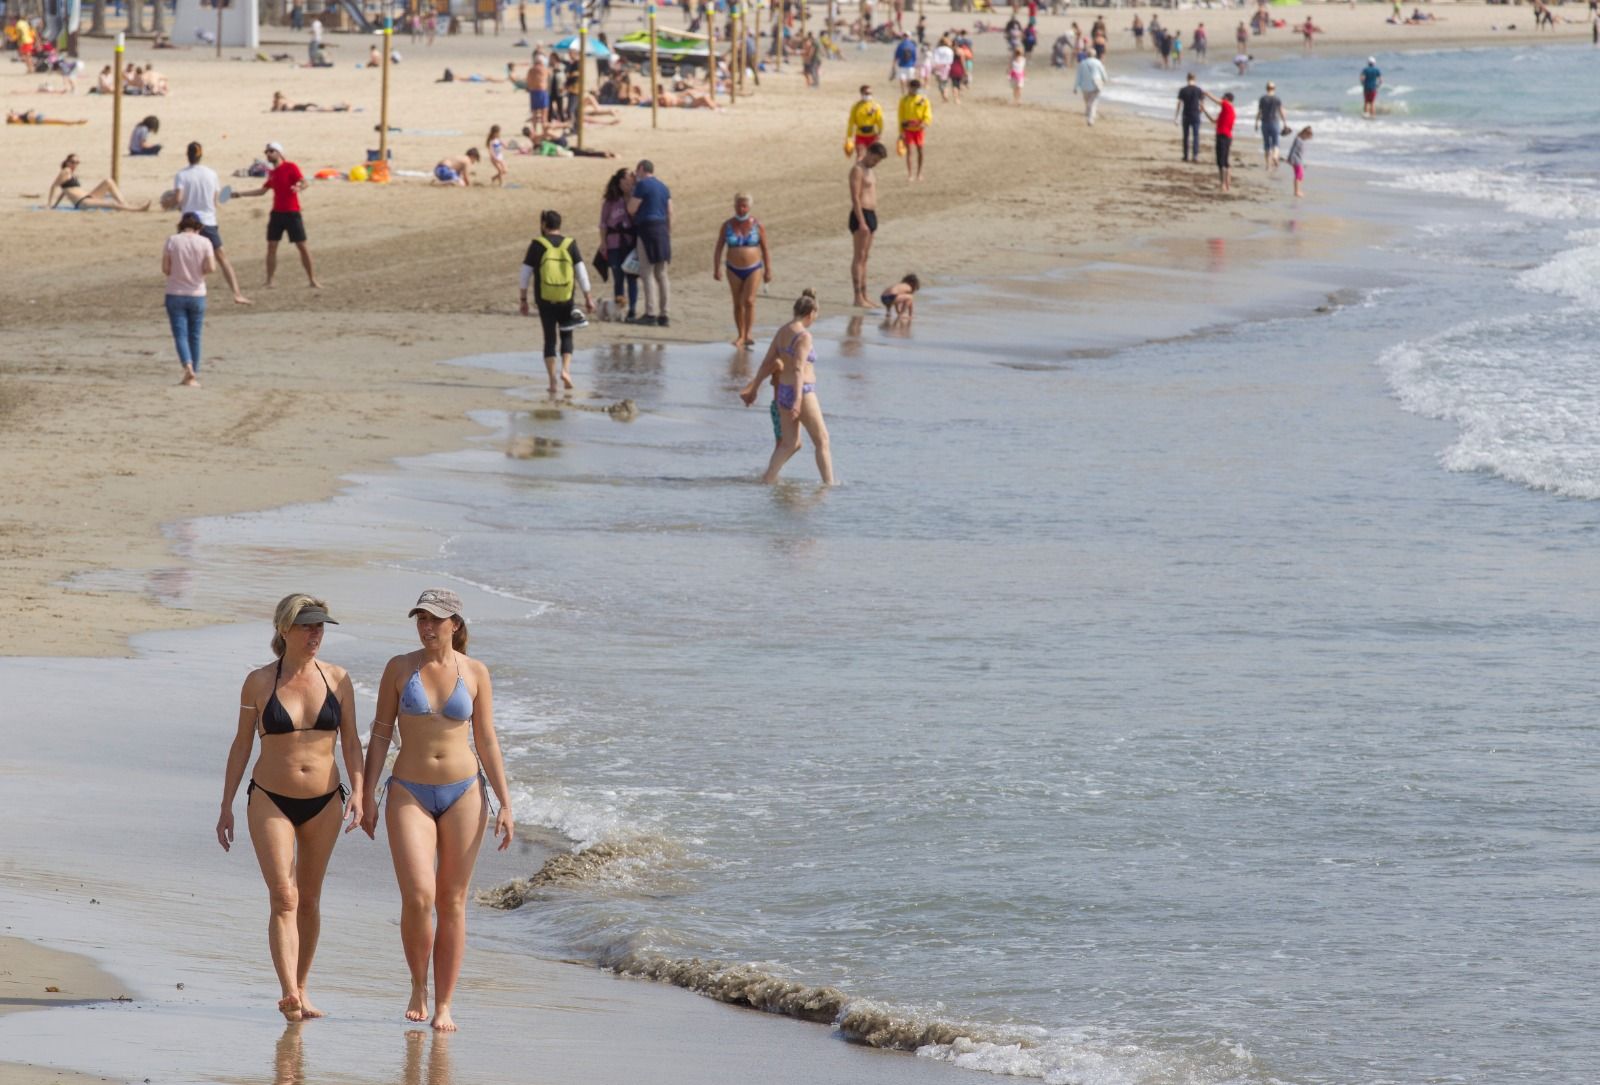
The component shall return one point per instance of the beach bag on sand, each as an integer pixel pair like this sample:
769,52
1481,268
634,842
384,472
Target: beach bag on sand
556,275
630,263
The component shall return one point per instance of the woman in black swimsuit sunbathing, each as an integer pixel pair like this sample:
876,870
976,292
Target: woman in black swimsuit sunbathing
297,705
106,194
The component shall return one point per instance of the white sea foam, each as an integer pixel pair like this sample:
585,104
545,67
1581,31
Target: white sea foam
1523,391
1572,274
584,821
1082,1059
1524,195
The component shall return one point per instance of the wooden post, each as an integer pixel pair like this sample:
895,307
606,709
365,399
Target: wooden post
756,68
736,76
655,69
219,24
805,10
783,25
116,114
583,66
383,109
711,48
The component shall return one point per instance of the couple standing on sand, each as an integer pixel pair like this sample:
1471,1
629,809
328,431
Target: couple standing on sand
442,700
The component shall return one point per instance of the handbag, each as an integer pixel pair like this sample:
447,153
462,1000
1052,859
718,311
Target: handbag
630,265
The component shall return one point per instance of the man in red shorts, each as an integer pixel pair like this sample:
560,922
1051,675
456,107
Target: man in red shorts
916,113
285,182
866,125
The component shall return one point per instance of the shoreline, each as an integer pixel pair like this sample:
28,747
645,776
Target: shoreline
447,426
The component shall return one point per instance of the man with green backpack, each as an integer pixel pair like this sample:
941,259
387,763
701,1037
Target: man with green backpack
555,267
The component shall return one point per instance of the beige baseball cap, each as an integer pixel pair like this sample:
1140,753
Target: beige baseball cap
440,602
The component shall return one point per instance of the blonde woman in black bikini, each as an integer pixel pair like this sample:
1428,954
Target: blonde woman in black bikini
437,801
297,705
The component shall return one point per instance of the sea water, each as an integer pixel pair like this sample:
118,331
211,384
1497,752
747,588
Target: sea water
1211,708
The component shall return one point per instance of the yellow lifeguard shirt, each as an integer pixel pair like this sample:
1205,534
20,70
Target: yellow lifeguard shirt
866,119
915,112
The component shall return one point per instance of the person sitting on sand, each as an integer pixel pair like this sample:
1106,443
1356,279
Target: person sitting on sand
280,104
104,195
456,169
152,81
140,143
33,116
106,83
899,300
300,716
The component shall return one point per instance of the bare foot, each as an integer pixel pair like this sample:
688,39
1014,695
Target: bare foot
315,285
240,299
566,379
417,1008
307,1010
554,391
442,1022
289,1006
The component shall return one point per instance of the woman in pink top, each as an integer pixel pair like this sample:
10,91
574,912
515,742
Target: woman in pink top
186,261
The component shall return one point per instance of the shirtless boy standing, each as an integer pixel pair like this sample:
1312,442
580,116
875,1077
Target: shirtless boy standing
538,92
864,218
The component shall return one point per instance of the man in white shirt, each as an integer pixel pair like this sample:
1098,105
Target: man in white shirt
1092,79
197,191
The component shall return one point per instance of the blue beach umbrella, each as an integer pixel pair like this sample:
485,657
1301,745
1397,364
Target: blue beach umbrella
597,49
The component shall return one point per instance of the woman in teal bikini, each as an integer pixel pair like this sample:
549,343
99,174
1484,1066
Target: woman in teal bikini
297,705
742,249
437,802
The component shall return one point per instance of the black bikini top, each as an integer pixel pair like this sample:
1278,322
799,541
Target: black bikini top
275,719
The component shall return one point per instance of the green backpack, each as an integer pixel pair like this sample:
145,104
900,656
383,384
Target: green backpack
556,276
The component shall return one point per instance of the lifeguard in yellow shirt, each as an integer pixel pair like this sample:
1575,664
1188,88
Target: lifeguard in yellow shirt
866,125
916,113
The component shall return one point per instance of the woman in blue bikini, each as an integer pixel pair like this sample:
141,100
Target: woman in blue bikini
437,802
298,705
742,249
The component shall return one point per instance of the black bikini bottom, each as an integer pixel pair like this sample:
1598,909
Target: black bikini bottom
298,811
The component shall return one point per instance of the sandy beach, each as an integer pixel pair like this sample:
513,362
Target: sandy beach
101,448
103,454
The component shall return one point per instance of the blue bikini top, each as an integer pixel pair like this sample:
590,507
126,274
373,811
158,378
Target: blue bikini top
414,699
750,239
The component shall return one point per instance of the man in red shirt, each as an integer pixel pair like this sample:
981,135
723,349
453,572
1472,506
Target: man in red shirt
285,182
1224,122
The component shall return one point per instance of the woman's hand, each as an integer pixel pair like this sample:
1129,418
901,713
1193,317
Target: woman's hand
504,827
353,812
716,272
766,274
369,817
225,828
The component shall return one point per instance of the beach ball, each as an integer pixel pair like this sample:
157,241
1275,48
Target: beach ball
358,174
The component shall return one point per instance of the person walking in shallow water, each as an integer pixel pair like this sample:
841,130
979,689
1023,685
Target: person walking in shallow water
442,703
300,707
791,365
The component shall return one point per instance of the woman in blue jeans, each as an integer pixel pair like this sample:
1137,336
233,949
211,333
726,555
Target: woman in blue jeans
186,261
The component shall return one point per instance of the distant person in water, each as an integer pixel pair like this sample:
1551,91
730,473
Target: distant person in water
1371,80
1297,158
301,708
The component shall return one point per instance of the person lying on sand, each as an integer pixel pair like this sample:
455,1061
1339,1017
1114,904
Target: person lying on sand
280,104
688,100
33,116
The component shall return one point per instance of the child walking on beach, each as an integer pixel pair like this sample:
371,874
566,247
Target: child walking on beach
1019,74
497,155
1297,158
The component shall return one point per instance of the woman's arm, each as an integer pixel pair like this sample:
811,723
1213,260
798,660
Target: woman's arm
766,257
383,723
210,264
488,745
51,200
244,738
800,349
166,259
716,253
350,743
770,367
